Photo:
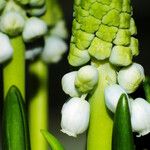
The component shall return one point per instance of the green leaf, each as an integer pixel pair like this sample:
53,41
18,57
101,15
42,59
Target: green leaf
122,138
53,142
146,86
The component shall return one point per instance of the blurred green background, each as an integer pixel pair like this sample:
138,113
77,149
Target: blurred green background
141,9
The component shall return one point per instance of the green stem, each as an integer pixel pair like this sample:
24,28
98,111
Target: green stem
101,124
14,70
48,16
38,105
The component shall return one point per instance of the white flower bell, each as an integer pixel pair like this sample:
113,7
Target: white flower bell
112,95
6,50
54,48
75,116
34,28
140,116
68,85
12,23
131,77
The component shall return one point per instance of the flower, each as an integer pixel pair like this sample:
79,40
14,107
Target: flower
34,28
129,78
75,116
112,95
86,78
6,50
68,85
53,50
12,23
140,111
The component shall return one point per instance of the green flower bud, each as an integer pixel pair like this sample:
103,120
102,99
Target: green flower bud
134,45
131,77
86,78
12,23
12,6
37,3
100,49
34,28
22,2
133,28
2,4
38,11
78,57
121,56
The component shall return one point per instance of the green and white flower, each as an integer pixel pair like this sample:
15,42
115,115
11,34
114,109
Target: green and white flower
86,78
34,28
12,23
131,77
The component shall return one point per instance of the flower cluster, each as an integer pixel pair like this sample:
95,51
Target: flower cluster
103,35
76,112
27,18
129,79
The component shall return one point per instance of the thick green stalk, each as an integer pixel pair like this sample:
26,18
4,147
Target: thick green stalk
38,105
14,70
101,124
146,86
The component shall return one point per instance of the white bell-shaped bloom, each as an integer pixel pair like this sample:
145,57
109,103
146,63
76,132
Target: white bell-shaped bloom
34,28
12,23
68,84
131,77
86,78
75,116
140,116
6,50
53,50
112,94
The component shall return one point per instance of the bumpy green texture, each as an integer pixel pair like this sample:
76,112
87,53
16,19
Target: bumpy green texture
99,27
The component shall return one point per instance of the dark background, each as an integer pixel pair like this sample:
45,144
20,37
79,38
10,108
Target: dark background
141,9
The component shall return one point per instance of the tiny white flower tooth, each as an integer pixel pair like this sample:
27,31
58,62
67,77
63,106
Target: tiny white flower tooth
12,23
86,78
68,85
140,116
6,50
34,28
129,78
54,48
112,94
75,116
